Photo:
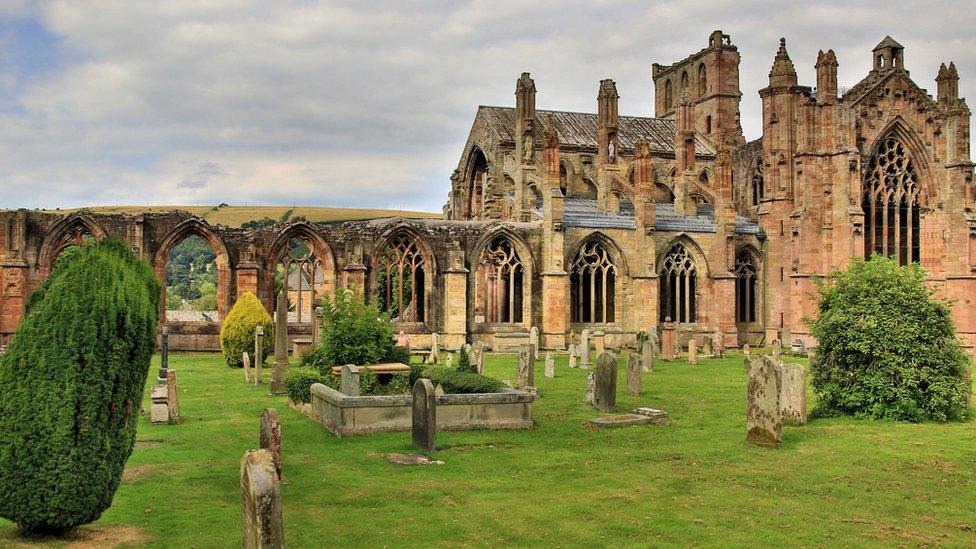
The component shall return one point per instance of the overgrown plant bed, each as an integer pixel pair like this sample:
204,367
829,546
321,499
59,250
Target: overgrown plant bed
347,415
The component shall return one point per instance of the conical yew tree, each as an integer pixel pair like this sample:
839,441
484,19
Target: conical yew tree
70,387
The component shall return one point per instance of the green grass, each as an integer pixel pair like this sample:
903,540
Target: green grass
833,482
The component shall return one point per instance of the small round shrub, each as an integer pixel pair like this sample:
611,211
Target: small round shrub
886,349
298,384
399,354
70,387
237,332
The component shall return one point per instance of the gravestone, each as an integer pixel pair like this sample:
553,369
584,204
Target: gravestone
764,419
647,356
258,353
572,355
550,365
797,347
793,395
424,416
585,349
706,346
746,349
718,344
526,370
786,335
600,341
655,342
350,380
248,374
281,346
317,327
450,360
635,384
270,437
261,501
478,356
159,411
692,351
435,348
590,388
164,355
172,396
605,378
777,347
534,342
667,340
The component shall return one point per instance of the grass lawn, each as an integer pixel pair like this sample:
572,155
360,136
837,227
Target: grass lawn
833,482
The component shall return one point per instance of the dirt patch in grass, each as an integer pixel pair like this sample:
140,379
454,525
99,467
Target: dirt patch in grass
153,443
84,537
132,473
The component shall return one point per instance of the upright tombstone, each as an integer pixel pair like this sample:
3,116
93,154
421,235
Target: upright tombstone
248,374
534,342
655,341
793,395
746,350
550,365
261,501
572,356
585,349
350,380
258,353
478,356
281,346
172,396
163,355
424,416
786,336
600,342
706,346
764,419
692,351
635,384
777,348
526,369
647,356
450,360
667,340
435,348
591,388
718,344
270,437
605,378
159,410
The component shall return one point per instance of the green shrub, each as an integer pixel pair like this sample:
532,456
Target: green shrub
399,354
70,388
298,383
353,332
237,332
399,384
885,347
456,382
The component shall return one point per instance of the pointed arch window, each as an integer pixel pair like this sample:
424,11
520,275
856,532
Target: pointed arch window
891,203
78,235
400,280
299,273
745,287
679,284
563,179
684,81
502,276
592,279
702,80
757,184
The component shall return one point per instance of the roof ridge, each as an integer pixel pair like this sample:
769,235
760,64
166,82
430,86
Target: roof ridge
578,112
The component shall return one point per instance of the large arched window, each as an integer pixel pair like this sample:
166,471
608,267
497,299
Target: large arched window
77,235
592,284
476,191
745,287
502,277
757,184
300,274
702,80
678,283
890,202
400,279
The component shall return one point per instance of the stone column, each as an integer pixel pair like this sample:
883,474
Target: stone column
258,353
281,346
455,300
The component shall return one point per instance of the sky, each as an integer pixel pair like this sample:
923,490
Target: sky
368,104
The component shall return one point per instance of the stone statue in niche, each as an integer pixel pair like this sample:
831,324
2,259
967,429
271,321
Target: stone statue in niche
611,152
527,147
249,251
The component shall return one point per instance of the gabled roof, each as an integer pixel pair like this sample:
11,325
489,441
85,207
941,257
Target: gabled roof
583,212
874,80
888,42
579,129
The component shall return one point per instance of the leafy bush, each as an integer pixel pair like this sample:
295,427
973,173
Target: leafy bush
399,354
464,362
886,348
353,332
70,388
237,332
298,383
456,382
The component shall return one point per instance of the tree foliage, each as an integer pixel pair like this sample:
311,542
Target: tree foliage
70,387
353,332
191,276
887,349
237,331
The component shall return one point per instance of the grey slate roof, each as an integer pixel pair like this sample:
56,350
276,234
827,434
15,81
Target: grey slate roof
583,212
579,129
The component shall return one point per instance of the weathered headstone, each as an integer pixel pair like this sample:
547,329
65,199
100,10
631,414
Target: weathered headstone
746,349
172,396
647,356
718,344
526,368
248,374
159,411
797,347
585,349
550,365
706,346
261,502
424,416
655,341
786,335
667,340
163,355
692,351
765,416
605,377
777,347
793,395
590,388
572,355
534,342
478,356
258,353
600,342
270,437
450,360
350,380
281,346
435,348
635,384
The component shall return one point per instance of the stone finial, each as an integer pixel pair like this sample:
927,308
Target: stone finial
783,72
608,89
525,83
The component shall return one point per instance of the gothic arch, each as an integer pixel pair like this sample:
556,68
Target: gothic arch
610,244
916,150
748,270
567,176
595,269
702,80
693,248
516,294
475,172
63,234
304,231
681,273
668,95
198,227
397,246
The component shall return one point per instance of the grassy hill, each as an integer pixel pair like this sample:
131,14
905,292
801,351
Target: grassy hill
234,216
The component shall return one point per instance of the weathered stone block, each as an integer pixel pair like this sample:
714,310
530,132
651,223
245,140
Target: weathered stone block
605,378
424,416
793,397
635,384
765,416
270,437
261,502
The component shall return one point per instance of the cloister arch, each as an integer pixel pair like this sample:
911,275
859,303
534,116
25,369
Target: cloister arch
73,230
199,228
402,275
503,266
300,262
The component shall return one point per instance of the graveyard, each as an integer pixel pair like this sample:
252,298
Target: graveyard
835,481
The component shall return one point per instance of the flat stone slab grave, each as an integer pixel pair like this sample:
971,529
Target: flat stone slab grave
644,416
412,459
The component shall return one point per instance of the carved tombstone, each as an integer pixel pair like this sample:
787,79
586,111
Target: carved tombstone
550,365
591,388
478,356
692,351
248,375
777,348
647,356
270,437
786,335
718,344
350,380
635,384
424,416
526,369
261,502
534,342
764,419
585,349
793,396
605,377
258,354
706,346
572,355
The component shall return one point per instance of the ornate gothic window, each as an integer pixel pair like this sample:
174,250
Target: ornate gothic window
745,287
678,282
502,276
592,284
301,276
890,202
757,184
400,276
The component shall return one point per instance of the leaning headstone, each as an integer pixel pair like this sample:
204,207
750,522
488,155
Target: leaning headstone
692,351
270,437
777,348
764,419
424,416
706,346
550,365
647,356
793,395
248,375
534,342
591,388
635,384
281,346
585,349
261,501
605,377
450,360
435,348
350,380
258,353
526,371
172,396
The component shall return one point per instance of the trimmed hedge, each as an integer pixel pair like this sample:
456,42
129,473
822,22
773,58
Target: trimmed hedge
237,331
455,382
70,387
299,381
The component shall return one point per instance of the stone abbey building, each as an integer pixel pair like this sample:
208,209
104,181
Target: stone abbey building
565,220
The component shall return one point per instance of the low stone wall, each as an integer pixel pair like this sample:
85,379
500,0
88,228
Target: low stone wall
345,415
